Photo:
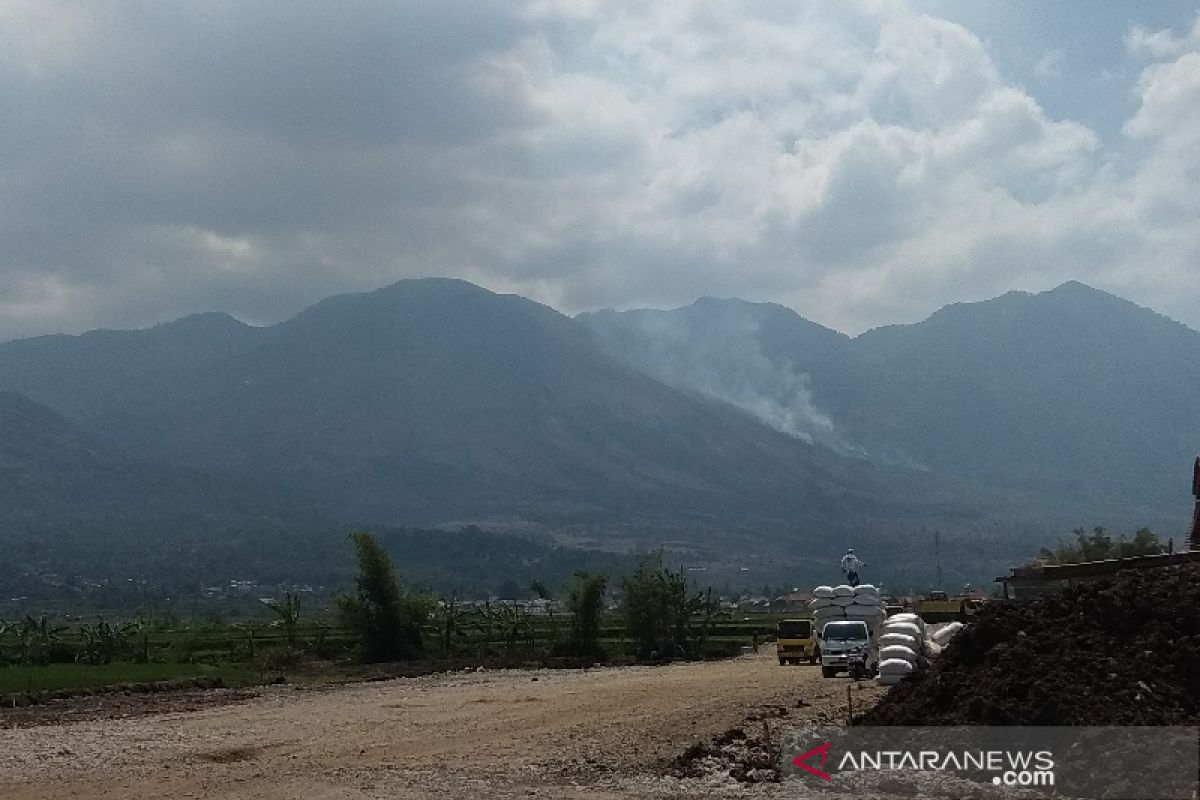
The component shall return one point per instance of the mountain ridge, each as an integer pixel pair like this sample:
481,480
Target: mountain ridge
1006,391
433,401
438,403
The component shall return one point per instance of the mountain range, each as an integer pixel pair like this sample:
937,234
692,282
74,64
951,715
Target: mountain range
722,428
1073,394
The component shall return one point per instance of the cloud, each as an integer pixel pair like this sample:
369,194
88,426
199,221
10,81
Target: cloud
862,162
802,156
1168,95
1164,43
162,159
1050,66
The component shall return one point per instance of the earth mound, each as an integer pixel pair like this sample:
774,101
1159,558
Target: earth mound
1121,651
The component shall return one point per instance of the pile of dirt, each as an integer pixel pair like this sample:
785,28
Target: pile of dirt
746,758
746,754
1122,651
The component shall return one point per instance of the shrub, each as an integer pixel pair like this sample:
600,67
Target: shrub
386,620
585,601
657,607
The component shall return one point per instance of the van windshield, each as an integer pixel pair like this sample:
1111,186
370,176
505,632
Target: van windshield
844,631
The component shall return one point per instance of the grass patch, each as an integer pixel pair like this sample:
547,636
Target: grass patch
49,677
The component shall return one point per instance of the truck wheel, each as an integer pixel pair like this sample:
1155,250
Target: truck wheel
828,672
782,661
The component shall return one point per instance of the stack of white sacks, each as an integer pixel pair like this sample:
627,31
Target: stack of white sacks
901,646
848,602
903,643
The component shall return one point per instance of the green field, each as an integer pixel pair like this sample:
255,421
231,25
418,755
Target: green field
27,678
42,656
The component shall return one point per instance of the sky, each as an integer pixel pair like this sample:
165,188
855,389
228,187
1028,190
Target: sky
863,163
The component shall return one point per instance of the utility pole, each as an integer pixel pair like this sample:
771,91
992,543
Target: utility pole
1194,536
937,556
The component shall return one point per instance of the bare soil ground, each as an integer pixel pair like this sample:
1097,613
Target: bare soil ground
599,733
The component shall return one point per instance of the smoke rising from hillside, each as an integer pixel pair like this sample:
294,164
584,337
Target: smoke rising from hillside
716,351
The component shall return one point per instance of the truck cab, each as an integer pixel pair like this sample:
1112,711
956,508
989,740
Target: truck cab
794,641
838,639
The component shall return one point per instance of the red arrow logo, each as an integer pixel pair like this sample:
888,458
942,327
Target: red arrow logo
823,751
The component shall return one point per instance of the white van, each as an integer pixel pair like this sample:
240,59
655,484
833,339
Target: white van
838,639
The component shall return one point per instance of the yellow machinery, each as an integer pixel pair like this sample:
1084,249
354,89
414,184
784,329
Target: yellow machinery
938,607
794,641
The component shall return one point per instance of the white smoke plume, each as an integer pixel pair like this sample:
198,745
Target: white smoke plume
714,348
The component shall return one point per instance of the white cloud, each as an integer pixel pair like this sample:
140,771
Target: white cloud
862,162
1164,192
1050,66
1163,43
1169,96
804,154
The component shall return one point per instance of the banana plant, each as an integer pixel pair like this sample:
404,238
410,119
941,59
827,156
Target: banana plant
705,610
512,623
141,627
6,627
103,642
35,637
287,616
447,621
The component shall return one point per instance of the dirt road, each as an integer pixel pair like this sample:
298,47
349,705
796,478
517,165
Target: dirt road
603,733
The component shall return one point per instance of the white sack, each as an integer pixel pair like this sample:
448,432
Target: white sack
902,627
898,651
944,635
823,591
899,638
866,611
896,666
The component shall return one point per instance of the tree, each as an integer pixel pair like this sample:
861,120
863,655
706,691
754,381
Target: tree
1144,542
1094,546
585,601
657,606
387,621
1097,545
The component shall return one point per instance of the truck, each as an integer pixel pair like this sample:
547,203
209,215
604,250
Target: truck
794,641
840,638
937,606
